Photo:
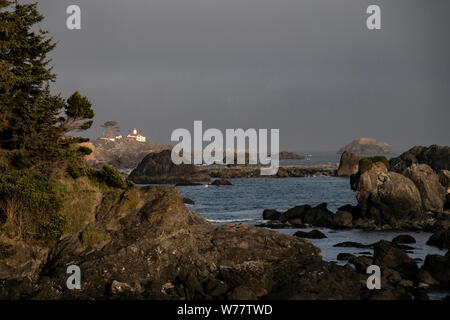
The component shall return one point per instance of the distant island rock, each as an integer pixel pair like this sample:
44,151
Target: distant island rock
124,153
286,155
367,146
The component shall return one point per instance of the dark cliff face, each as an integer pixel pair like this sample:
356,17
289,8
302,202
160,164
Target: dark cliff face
158,168
437,157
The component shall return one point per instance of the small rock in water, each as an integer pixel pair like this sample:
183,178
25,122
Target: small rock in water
440,239
188,183
188,201
351,244
404,238
271,214
221,182
314,234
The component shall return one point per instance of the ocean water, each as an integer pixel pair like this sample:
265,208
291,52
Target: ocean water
247,198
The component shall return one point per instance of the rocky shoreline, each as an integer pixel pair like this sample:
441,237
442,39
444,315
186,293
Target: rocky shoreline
158,249
286,171
143,243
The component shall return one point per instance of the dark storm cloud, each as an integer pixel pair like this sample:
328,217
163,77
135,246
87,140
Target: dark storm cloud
310,68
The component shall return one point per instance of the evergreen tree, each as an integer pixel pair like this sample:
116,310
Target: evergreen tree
30,118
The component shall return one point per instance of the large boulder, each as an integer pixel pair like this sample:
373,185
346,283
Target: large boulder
430,189
444,179
342,220
271,214
294,213
387,197
388,255
348,165
440,239
158,168
318,216
437,157
438,267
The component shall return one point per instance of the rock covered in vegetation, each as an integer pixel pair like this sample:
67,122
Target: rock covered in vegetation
158,168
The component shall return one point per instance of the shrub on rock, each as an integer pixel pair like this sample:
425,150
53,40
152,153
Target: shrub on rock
111,177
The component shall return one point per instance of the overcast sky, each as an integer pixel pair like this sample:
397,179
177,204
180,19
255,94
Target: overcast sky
308,67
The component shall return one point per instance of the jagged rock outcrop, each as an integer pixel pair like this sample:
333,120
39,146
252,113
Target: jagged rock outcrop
367,146
437,157
430,189
157,249
348,165
158,168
